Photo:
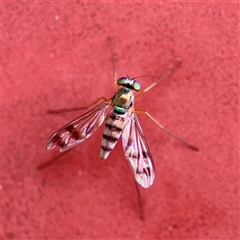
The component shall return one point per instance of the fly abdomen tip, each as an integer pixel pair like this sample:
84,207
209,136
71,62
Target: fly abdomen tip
104,154
105,151
103,157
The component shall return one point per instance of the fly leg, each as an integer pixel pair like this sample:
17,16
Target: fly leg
51,161
64,110
140,201
166,130
114,63
160,79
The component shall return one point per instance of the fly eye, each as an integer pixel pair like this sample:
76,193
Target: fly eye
136,86
129,83
122,81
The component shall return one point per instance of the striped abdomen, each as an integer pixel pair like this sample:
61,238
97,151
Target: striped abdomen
112,132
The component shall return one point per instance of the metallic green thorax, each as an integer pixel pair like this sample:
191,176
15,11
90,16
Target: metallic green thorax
123,100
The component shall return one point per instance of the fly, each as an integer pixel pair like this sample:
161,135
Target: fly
121,120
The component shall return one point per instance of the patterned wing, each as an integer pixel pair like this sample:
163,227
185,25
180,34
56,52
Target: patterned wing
137,151
79,129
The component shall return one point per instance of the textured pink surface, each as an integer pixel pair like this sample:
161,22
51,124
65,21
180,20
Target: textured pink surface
56,55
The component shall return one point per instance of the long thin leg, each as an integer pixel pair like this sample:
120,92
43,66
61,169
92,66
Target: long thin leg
160,79
167,131
51,161
64,110
113,62
140,201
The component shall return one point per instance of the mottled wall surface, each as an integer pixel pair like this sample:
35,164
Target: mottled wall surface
57,55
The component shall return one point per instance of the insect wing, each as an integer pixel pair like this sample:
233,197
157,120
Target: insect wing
79,129
137,151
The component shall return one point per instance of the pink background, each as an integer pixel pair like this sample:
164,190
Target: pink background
56,55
